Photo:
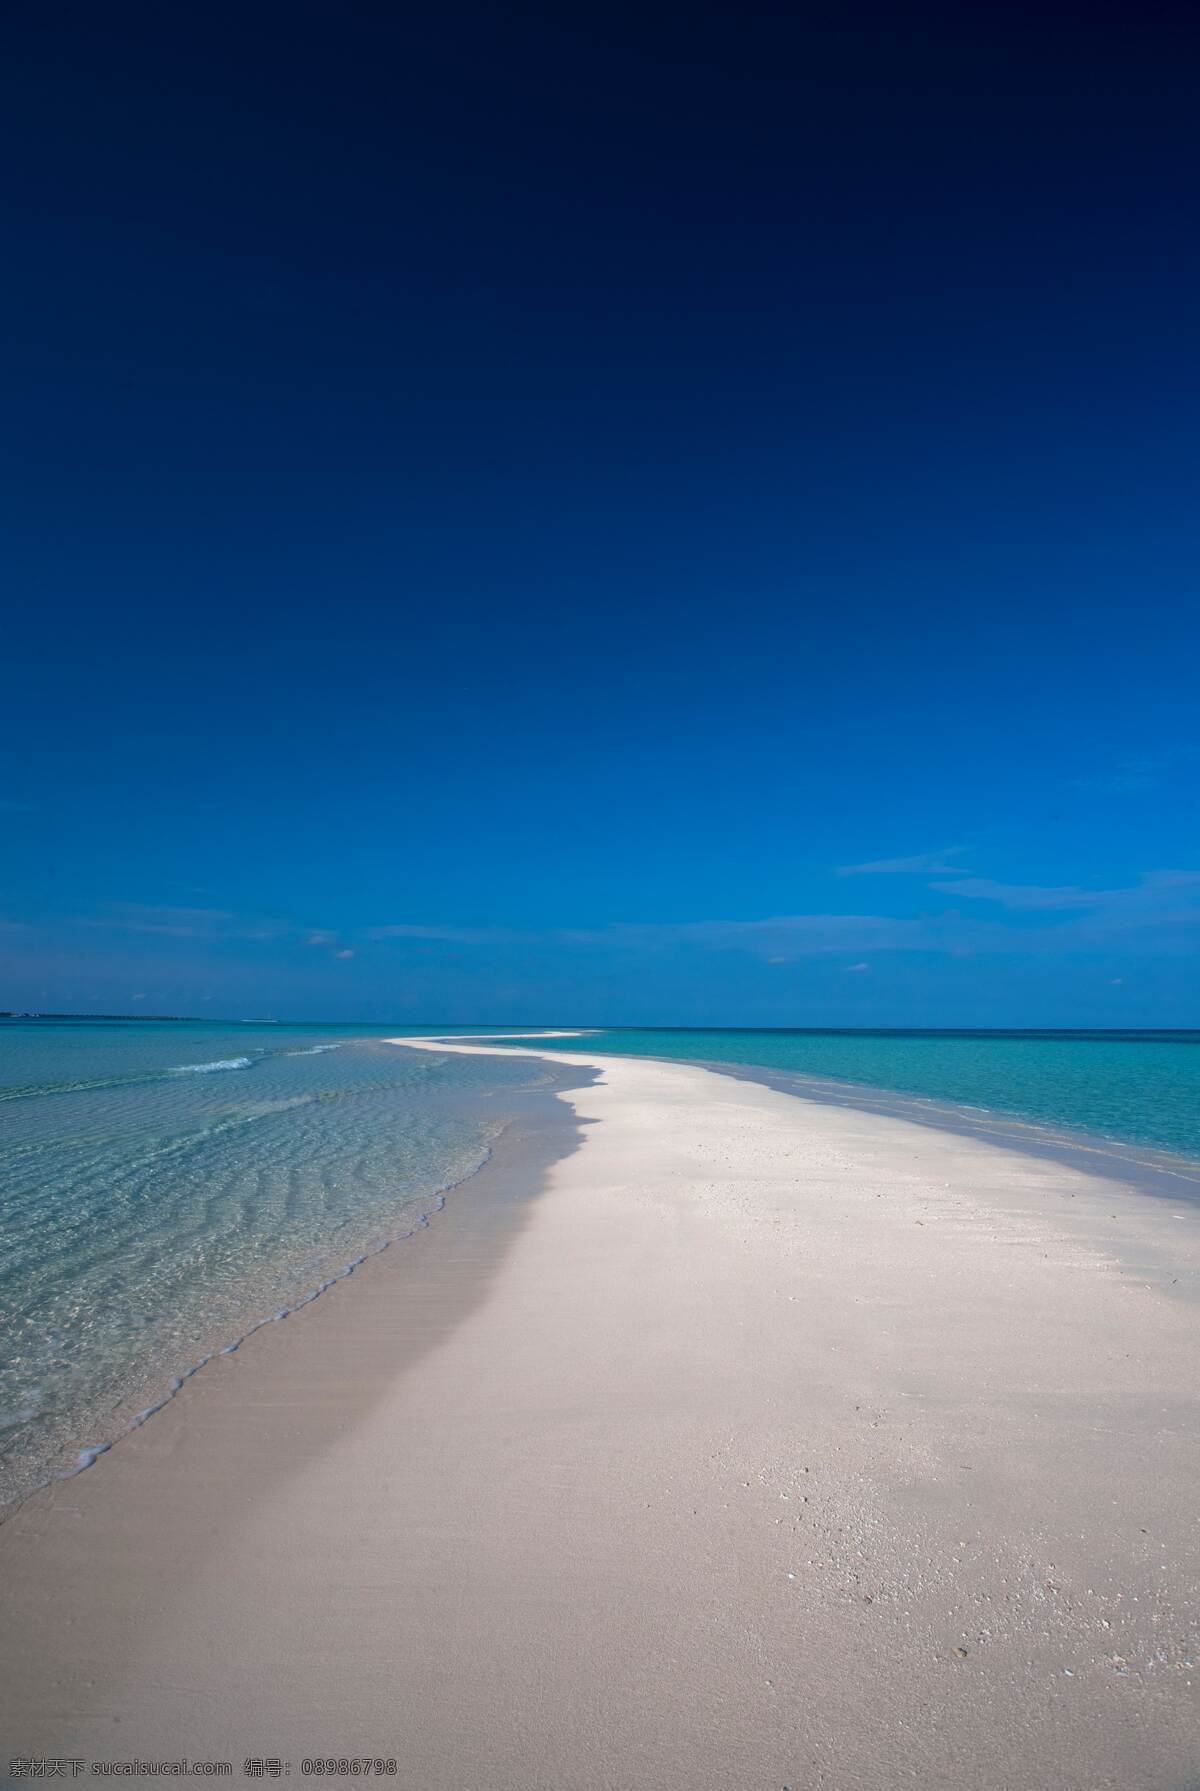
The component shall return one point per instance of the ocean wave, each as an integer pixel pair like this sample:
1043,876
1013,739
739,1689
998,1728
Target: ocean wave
205,1069
314,1050
29,1091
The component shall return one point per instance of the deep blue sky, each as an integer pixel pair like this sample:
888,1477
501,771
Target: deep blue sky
501,512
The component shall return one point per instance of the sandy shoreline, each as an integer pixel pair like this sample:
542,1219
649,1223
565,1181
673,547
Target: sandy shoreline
768,1444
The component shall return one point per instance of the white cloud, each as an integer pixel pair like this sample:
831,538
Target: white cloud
778,937
1161,896
453,935
176,923
921,864
1137,771
1022,895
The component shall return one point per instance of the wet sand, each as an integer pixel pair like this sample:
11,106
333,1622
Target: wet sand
719,1440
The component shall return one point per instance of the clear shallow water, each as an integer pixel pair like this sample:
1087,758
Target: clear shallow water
1131,1088
163,1186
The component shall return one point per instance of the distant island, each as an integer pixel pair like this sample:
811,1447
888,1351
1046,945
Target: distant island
5,1014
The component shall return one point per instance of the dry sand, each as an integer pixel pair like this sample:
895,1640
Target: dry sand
772,1445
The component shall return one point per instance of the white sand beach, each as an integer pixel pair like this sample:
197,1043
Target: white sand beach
770,1445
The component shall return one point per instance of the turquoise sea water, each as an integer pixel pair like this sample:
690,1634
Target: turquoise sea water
163,1186
1133,1087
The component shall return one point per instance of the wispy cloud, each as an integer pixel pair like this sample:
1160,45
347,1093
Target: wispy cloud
1131,774
1023,895
1159,896
452,935
212,924
1161,909
175,923
920,864
965,916
777,938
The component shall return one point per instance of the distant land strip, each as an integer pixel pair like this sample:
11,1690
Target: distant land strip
7,1014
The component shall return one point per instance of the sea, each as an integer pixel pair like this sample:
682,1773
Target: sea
1133,1088
168,1186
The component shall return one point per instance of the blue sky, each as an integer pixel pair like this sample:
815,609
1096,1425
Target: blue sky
513,519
